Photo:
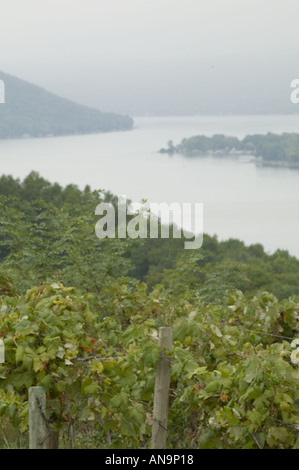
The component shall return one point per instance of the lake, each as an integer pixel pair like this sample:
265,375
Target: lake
240,200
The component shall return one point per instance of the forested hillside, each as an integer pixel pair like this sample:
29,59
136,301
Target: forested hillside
31,111
79,316
227,263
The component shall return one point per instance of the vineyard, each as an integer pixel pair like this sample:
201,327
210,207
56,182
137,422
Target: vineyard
233,383
76,324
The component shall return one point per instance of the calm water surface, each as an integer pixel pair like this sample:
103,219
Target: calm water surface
256,205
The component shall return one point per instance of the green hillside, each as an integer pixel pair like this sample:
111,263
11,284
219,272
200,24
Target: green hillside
31,111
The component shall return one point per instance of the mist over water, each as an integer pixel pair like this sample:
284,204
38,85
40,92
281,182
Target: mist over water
253,204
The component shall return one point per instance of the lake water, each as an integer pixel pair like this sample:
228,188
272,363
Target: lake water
240,200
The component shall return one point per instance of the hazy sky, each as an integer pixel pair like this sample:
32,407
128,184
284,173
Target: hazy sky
136,56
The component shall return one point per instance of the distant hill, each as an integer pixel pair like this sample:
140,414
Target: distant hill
31,111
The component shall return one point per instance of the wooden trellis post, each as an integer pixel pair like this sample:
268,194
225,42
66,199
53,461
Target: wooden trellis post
2,351
161,394
38,427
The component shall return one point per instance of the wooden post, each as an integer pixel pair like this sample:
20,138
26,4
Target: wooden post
53,440
2,351
38,429
161,394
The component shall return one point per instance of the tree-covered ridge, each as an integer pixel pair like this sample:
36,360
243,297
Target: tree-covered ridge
279,148
32,111
52,214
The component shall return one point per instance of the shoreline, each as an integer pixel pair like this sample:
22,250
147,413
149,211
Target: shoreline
259,161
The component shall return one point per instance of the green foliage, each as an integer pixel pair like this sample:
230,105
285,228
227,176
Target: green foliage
237,385
50,229
223,265
75,322
234,383
58,243
221,280
92,367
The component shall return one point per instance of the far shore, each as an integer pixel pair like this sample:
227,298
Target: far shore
259,161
